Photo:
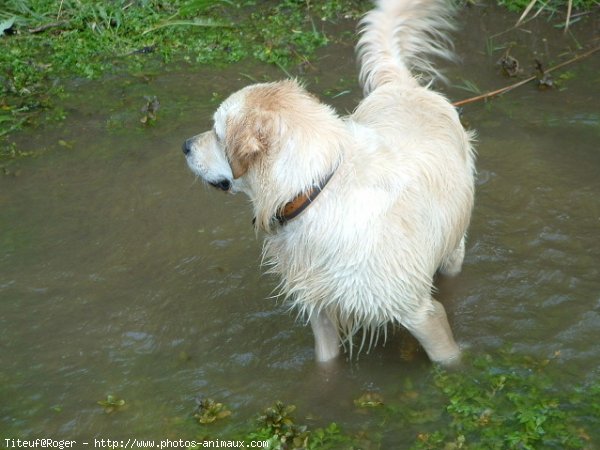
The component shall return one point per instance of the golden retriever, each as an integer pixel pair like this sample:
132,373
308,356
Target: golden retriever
358,212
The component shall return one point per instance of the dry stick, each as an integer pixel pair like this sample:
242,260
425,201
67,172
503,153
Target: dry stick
569,10
529,7
47,26
59,9
525,81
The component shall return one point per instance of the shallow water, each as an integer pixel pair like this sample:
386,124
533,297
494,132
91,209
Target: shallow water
121,274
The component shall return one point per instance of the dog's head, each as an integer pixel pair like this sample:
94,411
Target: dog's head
246,128
270,141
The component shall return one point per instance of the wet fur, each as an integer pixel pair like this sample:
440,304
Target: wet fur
397,208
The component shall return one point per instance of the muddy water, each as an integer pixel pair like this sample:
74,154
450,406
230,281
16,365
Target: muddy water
122,275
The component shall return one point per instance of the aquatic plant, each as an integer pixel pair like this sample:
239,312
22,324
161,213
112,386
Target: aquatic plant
149,110
501,401
369,400
209,411
111,403
279,424
507,401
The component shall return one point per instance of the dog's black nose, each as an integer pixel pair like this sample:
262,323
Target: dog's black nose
187,147
224,185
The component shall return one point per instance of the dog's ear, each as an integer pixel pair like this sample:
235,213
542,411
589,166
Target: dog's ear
248,138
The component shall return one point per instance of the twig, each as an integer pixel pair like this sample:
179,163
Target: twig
47,26
59,9
195,23
525,81
529,7
521,21
16,125
569,10
580,14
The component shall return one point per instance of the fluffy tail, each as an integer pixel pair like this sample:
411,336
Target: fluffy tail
397,39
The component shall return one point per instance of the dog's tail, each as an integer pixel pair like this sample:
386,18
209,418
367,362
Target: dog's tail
397,39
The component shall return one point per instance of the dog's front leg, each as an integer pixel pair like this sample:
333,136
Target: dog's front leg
327,342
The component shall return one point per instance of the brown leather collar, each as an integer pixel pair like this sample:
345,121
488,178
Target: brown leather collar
294,207
299,203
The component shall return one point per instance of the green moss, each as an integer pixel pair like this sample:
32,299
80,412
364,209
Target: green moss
44,42
512,401
504,401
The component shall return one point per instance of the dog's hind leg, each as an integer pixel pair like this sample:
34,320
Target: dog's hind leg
433,332
327,342
452,264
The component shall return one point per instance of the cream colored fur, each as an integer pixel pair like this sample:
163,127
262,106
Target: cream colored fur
396,210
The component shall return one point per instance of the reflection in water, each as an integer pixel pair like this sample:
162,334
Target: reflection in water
122,275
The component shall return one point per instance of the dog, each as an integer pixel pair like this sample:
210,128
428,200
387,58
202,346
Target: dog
358,212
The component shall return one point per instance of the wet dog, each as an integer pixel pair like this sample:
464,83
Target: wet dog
358,212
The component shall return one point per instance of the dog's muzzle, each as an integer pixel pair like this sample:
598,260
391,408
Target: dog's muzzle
224,184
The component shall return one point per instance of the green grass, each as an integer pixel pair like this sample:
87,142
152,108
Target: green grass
551,5
44,43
